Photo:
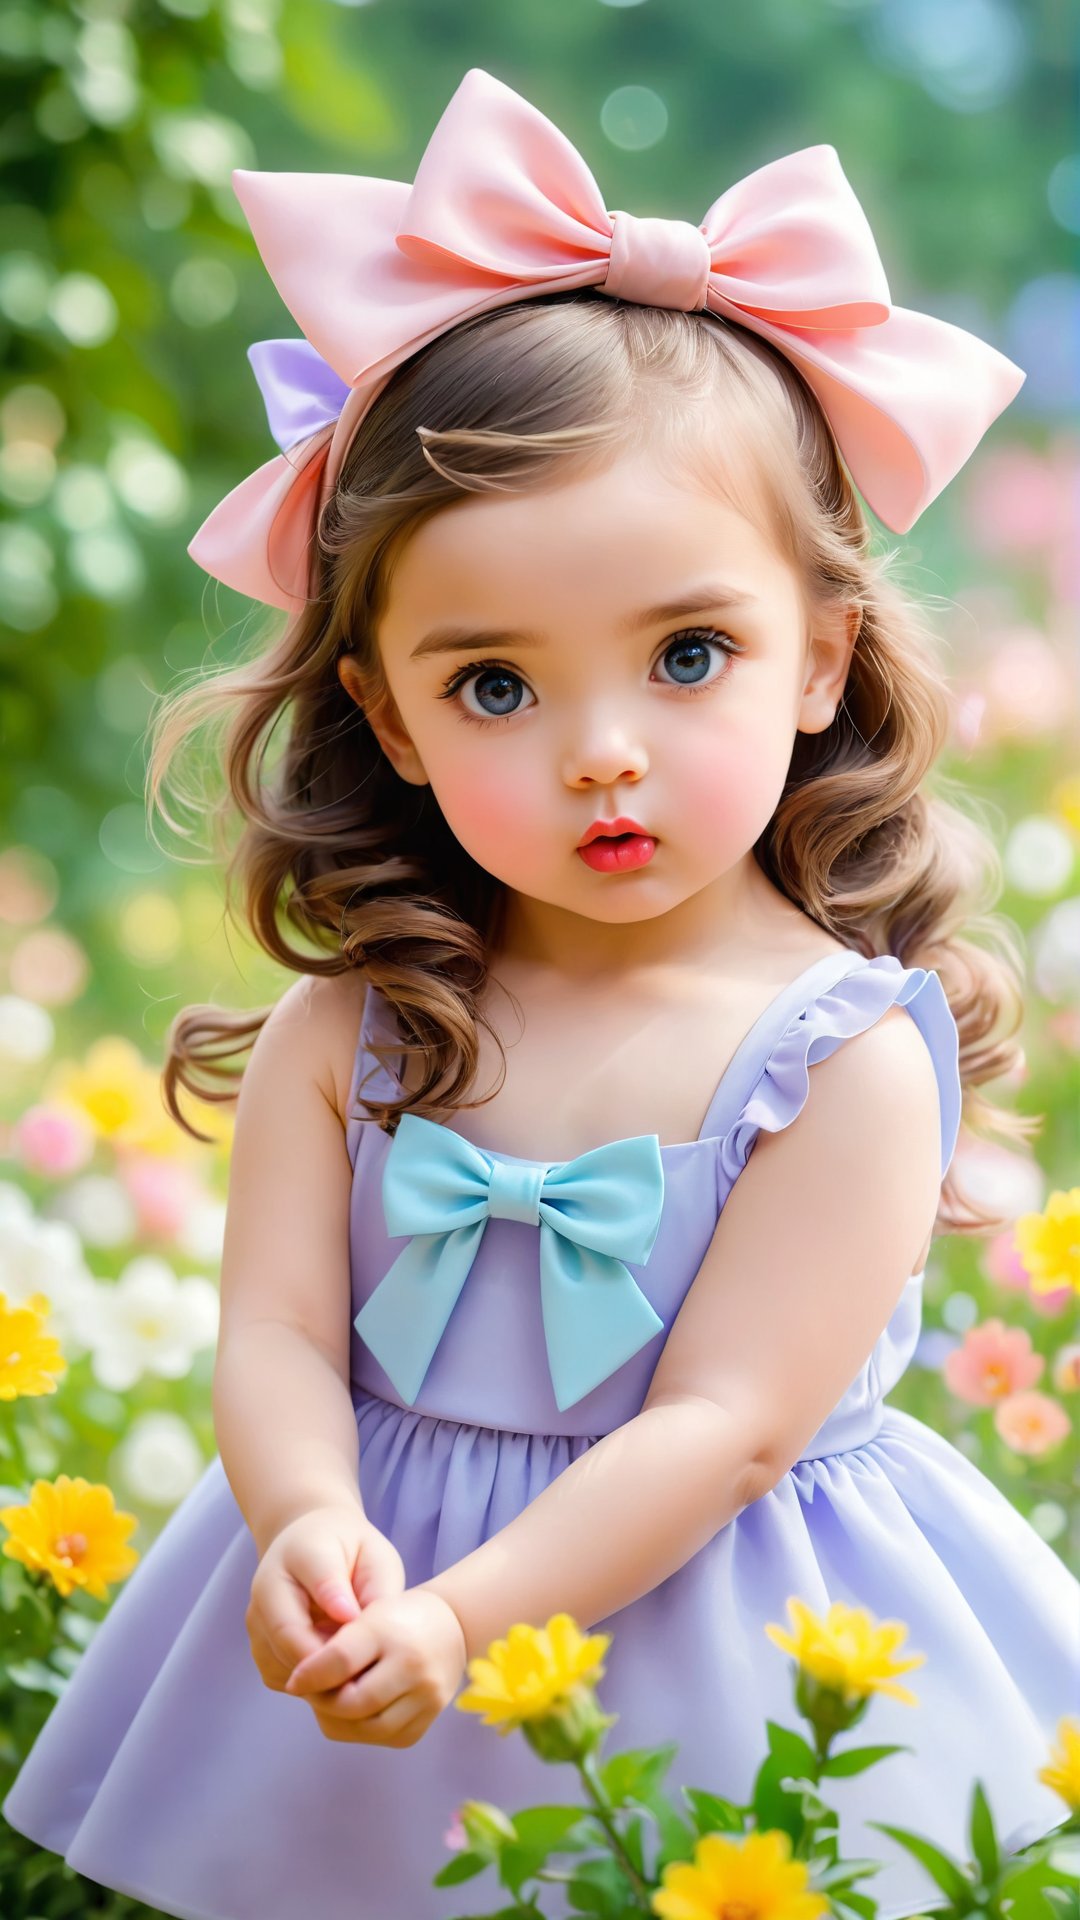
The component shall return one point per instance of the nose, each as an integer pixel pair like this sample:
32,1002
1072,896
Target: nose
605,753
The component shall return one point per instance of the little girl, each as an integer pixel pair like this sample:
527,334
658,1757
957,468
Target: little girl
584,1181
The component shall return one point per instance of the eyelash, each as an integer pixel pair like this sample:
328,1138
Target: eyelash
475,667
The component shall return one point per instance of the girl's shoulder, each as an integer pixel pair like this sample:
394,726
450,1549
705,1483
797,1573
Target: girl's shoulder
324,1012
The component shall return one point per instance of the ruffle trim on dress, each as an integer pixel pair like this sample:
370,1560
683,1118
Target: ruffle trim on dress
850,1007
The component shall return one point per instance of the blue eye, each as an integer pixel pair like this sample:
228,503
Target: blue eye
491,680
689,654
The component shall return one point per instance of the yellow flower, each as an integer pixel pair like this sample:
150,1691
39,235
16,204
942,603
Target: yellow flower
120,1094
846,1651
30,1360
1063,1773
72,1531
111,1088
1065,800
530,1672
750,1879
1049,1242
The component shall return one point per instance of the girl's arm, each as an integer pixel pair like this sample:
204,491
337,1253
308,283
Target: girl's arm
810,1255
283,1413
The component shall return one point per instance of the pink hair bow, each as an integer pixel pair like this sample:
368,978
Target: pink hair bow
503,207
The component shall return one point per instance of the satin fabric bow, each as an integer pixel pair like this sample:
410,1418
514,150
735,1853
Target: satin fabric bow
503,207
593,1212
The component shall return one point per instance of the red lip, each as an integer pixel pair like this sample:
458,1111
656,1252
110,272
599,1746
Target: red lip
621,824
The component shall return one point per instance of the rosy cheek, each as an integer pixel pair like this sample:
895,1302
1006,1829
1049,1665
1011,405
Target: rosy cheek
728,786
490,809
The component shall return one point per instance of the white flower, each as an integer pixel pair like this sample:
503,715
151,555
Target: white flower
99,1208
159,1459
1038,857
202,1235
44,1256
148,1321
26,1030
1011,1183
1055,952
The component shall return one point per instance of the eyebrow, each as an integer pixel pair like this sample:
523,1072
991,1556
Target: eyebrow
458,639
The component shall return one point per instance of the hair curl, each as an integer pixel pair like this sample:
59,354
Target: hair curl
362,864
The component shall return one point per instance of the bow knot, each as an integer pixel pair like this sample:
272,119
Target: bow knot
658,263
504,208
514,1192
593,1212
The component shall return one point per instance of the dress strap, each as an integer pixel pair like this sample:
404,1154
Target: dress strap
781,1081
370,1079
744,1068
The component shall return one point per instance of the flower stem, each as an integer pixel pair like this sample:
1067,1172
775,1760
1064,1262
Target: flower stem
604,1813
18,1451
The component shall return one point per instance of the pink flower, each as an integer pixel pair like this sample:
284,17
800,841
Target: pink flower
1015,502
52,1140
164,1192
1031,1422
966,716
1063,1025
455,1836
1006,1269
992,1361
1066,1368
1003,1262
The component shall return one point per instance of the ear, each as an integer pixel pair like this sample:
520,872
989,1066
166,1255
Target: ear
828,660
385,722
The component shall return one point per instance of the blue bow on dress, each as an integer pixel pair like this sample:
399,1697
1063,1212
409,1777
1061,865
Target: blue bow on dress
593,1213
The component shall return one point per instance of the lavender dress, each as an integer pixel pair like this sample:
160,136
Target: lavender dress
168,1771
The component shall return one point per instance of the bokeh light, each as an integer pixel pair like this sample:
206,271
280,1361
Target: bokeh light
634,118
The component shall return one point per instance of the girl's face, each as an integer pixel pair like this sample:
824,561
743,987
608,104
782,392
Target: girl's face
619,644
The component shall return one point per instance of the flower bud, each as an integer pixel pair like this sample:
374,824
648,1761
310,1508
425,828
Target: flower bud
573,1728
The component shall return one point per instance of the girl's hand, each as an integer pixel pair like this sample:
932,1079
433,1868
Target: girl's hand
318,1571
382,1679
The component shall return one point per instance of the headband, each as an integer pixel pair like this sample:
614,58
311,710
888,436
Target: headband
504,208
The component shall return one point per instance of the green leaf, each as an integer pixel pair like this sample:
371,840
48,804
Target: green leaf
712,1814
1063,1900
677,1837
11,1585
773,1805
984,1844
599,1886
542,1831
790,1747
548,1828
36,1677
528,1912
841,1872
464,1866
633,1839
810,1800
860,1903
625,1774
857,1759
941,1866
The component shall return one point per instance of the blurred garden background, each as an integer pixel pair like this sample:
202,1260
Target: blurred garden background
130,289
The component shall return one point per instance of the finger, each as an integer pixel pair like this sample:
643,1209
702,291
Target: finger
362,1696
389,1724
379,1573
272,1670
324,1567
348,1652
282,1612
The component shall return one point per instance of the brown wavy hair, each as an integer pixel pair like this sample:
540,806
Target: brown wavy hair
871,840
